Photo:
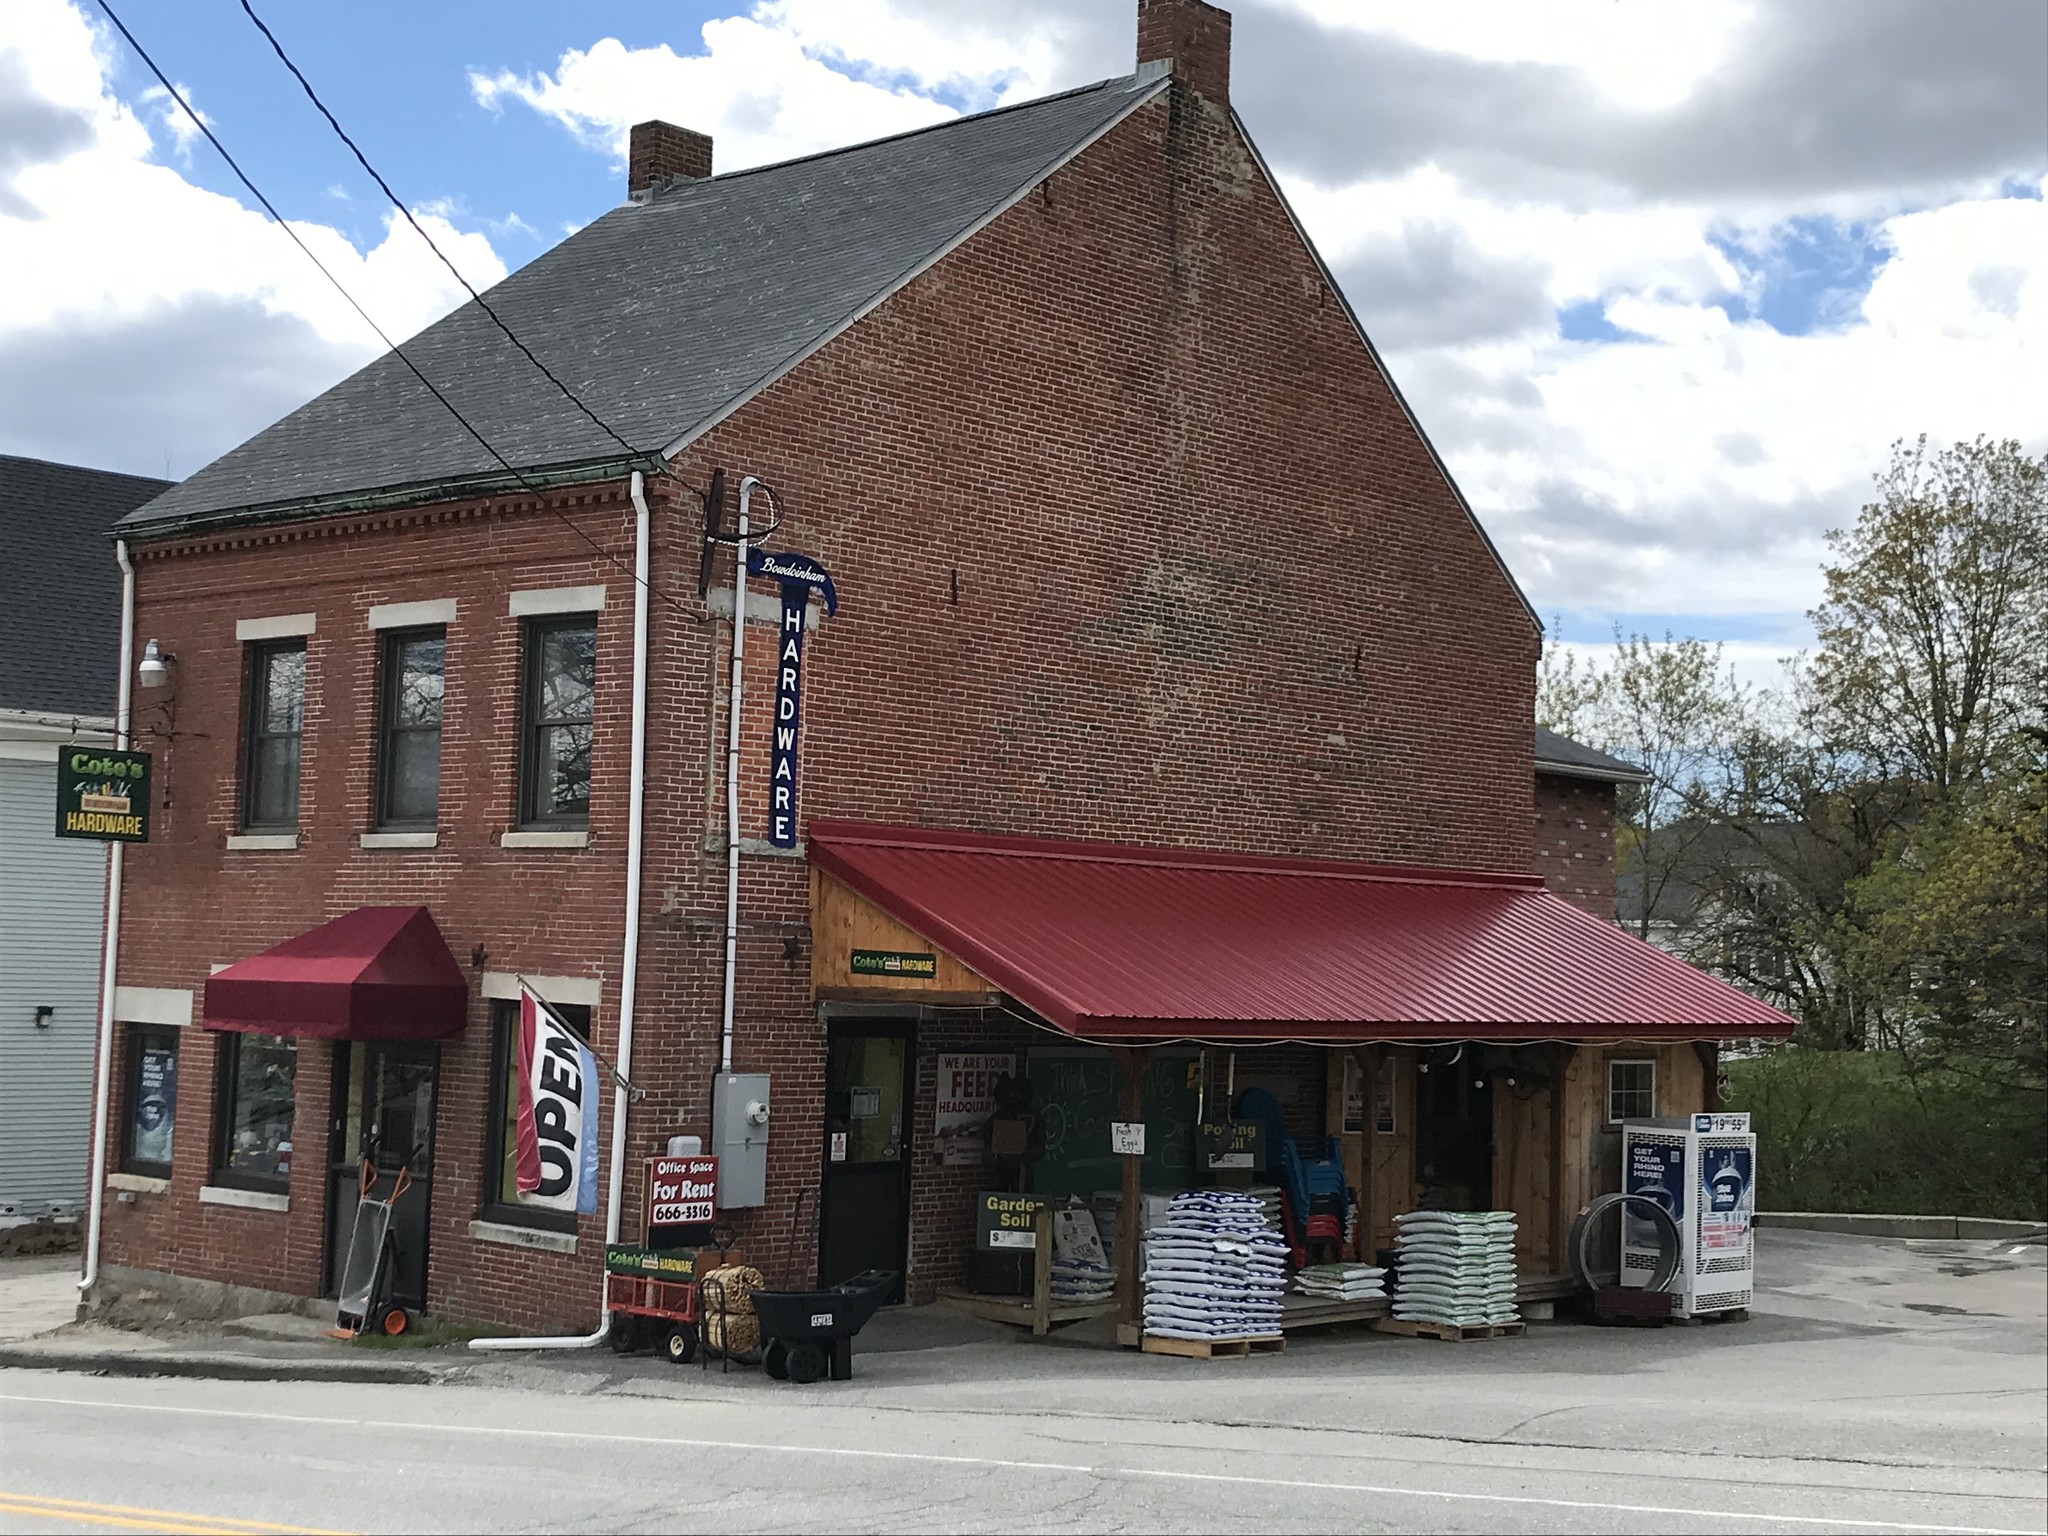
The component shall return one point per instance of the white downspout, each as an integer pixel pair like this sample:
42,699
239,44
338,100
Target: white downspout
103,1086
732,781
629,964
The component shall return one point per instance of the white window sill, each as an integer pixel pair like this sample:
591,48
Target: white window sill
247,1199
138,1184
263,842
400,840
503,1232
545,840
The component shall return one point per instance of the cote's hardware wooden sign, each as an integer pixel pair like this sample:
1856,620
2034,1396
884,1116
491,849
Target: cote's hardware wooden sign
892,962
102,794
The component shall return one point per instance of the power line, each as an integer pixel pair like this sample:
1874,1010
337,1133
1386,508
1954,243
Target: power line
399,203
397,351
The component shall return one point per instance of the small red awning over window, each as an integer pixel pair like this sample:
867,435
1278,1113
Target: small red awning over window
377,973
1108,941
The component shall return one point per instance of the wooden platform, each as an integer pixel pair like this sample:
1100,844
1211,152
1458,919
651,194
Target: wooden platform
1299,1311
1411,1328
1021,1310
1213,1349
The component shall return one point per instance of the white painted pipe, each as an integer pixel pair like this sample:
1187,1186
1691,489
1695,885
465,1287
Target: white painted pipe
732,782
629,964
103,1086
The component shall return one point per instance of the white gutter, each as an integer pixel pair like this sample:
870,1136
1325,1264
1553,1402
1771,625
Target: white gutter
732,781
629,964
103,1086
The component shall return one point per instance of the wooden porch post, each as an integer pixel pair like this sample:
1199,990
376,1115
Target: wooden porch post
1563,1207
1709,1053
1130,1065
1368,1058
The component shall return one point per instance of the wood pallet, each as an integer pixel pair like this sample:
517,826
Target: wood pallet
1213,1349
1299,1311
1413,1328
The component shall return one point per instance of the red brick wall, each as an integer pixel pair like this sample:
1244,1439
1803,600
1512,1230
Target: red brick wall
1133,542
1575,840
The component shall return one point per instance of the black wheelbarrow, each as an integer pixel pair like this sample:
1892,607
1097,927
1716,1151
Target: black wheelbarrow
806,1333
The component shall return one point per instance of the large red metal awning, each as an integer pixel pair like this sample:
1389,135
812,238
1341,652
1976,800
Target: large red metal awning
1115,942
377,973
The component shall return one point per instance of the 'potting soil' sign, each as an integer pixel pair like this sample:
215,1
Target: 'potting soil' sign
103,794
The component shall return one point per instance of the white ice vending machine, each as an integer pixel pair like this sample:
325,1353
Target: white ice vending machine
1702,1169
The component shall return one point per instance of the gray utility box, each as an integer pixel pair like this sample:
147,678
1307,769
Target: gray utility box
739,1138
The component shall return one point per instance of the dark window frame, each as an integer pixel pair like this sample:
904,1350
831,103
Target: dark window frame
257,657
1647,1062
137,1036
391,645
498,1102
533,727
222,1174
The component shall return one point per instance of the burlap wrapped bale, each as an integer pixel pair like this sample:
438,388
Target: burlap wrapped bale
738,1330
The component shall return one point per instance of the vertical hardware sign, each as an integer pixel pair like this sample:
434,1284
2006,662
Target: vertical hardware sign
799,576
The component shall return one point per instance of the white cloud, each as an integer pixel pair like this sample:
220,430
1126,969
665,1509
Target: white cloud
101,241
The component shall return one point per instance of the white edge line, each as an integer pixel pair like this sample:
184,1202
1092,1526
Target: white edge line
936,1458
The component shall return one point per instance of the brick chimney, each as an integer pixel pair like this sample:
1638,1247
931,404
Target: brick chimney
1194,38
660,151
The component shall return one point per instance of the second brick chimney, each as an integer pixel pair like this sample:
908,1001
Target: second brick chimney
1195,37
661,151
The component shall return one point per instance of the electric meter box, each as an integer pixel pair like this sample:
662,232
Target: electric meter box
1702,1169
739,1138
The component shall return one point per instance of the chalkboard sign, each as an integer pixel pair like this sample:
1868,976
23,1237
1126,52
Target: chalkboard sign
1078,1093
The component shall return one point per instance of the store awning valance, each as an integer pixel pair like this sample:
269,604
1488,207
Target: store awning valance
1107,941
377,973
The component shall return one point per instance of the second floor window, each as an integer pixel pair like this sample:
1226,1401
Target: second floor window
275,712
409,728
561,683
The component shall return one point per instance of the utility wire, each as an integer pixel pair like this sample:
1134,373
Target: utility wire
399,203
397,351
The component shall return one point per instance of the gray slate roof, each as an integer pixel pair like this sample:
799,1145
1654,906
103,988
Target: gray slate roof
663,316
1560,754
60,592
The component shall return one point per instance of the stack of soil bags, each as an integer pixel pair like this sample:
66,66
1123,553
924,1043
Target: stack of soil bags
736,1330
1213,1269
1342,1282
1081,1270
1457,1268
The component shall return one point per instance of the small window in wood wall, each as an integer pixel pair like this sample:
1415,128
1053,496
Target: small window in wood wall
1631,1090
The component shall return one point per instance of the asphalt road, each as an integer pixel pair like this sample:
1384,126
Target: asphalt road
1879,1387
87,1453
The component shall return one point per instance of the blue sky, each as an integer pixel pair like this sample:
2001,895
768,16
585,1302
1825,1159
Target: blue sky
1663,286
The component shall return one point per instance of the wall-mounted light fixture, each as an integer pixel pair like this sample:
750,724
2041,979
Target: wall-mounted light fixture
44,1014
154,670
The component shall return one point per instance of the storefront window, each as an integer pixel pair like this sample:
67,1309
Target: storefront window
152,1101
254,1108
1631,1090
501,1194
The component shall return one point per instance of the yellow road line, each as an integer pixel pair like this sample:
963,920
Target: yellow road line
140,1517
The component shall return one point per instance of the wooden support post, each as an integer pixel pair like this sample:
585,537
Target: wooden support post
1368,1058
1130,1064
1709,1053
1041,1271
1564,1204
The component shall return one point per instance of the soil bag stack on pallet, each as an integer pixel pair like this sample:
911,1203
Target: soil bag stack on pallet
1213,1269
1081,1271
1457,1268
1342,1282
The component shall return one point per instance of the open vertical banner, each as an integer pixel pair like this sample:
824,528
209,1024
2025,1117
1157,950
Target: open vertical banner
799,576
555,1156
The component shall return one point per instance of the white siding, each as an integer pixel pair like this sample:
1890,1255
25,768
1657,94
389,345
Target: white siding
52,907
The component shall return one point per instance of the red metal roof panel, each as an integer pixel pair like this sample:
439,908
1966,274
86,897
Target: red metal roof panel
1106,940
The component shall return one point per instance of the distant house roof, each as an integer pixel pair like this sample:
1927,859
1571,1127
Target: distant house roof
1575,760
60,592
664,316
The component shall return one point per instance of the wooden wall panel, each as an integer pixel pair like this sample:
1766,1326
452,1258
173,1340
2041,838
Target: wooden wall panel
1523,1172
843,921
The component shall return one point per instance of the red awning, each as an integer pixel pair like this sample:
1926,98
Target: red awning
1108,941
377,973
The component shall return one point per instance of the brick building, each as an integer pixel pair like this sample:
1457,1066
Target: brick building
1134,542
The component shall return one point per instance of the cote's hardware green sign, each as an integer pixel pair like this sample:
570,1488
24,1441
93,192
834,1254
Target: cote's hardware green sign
890,962
1006,1221
626,1259
103,794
